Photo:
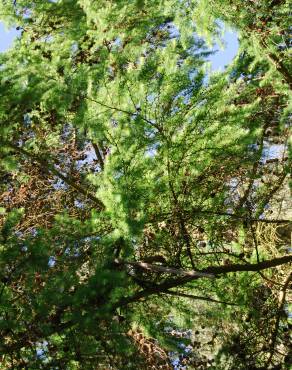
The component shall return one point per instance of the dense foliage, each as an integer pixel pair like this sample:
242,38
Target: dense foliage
145,201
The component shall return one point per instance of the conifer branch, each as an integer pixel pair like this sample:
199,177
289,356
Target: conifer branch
50,168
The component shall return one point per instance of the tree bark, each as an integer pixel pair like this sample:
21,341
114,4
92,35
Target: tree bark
211,270
164,269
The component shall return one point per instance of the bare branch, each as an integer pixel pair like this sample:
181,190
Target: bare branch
164,269
211,270
98,155
195,297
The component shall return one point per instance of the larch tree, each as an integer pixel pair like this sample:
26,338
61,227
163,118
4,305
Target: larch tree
142,197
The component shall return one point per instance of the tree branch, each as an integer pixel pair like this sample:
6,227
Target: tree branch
211,270
48,167
235,216
277,323
98,155
164,269
195,297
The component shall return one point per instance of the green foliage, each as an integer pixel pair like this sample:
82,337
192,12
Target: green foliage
124,166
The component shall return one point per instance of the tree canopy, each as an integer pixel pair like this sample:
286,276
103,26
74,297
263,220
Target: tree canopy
145,208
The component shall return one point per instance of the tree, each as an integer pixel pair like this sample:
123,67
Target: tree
133,185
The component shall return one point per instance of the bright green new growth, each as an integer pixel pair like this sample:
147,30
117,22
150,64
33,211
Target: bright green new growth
136,190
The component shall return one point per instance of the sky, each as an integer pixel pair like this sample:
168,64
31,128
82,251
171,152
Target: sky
224,56
218,61
6,37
